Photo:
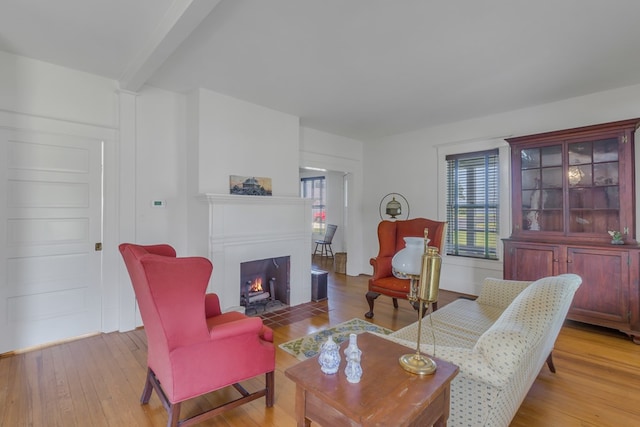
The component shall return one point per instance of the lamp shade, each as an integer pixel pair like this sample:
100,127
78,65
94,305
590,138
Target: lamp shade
408,261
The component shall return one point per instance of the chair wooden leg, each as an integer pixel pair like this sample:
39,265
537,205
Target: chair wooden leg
395,302
173,409
271,388
371,296
329,251
550,364
174,414
148,388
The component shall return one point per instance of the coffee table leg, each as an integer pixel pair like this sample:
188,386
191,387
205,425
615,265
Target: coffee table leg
442,421
301,419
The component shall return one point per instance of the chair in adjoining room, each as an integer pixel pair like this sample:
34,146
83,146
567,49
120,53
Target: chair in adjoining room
194,348
391,236
325,243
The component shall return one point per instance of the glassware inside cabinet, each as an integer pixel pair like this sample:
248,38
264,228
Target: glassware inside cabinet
542,182
593,181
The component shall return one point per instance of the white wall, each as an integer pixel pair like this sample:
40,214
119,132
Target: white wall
227,136
40,89
233,137
408,164
240,138
161,151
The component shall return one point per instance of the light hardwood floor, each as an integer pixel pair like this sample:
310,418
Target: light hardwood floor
97,381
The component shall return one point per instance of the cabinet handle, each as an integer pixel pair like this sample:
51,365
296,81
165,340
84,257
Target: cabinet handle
569,261
556,260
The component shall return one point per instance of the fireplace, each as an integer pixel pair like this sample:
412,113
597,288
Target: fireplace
242,229
264,284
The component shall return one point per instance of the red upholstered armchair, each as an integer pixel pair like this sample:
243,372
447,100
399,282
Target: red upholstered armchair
193,348
390,238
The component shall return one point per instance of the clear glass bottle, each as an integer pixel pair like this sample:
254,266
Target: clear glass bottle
353,354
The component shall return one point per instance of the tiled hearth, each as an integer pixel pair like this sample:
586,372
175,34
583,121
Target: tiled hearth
286,316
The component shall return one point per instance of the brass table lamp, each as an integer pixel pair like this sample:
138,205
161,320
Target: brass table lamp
424,286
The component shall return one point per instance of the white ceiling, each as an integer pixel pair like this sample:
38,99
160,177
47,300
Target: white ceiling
358,68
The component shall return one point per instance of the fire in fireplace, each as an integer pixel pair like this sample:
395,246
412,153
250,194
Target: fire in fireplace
264,284
254,291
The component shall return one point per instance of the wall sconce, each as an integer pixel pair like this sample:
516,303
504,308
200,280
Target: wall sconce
421,264
393,206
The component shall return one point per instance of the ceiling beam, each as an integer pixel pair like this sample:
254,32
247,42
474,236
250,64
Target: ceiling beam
181,18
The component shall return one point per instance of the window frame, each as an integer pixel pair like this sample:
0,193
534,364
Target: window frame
504,190
481,208
320,226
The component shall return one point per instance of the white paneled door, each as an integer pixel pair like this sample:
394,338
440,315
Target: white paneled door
50,273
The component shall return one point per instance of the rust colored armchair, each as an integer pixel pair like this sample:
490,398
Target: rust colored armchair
193,348
390,238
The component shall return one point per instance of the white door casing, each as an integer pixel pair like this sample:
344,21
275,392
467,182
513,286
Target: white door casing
50,277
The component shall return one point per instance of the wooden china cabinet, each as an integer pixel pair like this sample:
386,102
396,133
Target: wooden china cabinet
569,189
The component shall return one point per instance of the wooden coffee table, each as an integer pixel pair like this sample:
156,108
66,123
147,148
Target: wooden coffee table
387,395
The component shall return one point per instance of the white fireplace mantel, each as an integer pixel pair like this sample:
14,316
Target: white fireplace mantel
249,228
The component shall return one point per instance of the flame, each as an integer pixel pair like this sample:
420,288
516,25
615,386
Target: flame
256,285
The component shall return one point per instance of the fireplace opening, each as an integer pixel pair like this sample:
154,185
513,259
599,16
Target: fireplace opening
264,284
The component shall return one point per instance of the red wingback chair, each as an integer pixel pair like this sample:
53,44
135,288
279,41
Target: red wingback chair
391,236
193,348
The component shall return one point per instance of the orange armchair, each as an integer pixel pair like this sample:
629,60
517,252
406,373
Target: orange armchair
390,238
193,348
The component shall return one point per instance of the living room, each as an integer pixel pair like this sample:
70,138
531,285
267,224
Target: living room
174,146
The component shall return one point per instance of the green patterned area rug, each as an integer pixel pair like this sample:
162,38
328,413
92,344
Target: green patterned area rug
308,346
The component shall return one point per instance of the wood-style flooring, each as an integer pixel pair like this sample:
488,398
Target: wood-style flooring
97,381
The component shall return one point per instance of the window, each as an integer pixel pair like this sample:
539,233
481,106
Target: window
472,204
315,188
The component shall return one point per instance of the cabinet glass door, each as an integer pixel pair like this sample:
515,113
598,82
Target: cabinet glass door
542,181
594,196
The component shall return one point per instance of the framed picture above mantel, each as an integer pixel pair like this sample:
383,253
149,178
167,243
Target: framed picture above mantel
249,185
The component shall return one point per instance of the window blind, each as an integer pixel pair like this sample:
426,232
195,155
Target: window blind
473,204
